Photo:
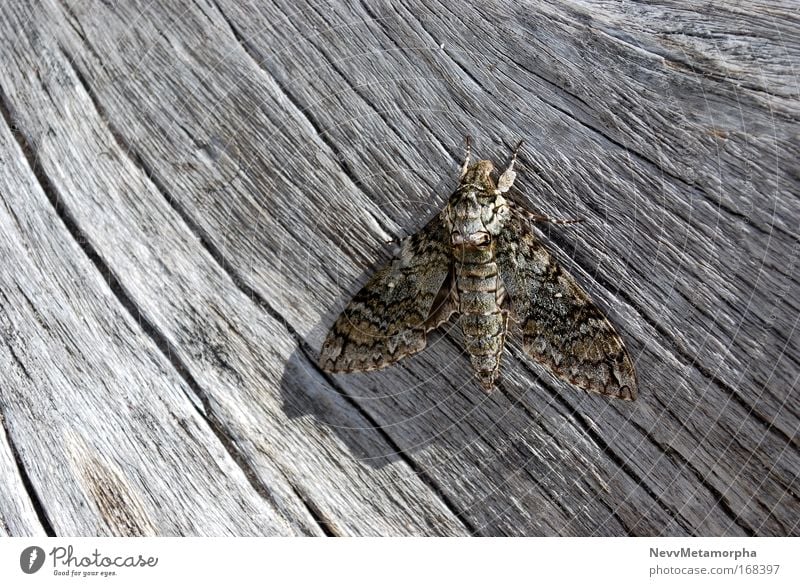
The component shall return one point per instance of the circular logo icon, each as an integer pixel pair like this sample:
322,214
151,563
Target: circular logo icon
31,559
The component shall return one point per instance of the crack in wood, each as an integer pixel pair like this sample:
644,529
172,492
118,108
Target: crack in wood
167,349
27,482
602,445
323,134
171,353
163,344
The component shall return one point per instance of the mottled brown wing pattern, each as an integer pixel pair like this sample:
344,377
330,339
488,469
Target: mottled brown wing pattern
389,318
561,327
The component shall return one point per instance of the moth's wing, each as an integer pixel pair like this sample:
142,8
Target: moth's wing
561,327
388,319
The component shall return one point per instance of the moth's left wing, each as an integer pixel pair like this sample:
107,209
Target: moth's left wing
561,327
388,319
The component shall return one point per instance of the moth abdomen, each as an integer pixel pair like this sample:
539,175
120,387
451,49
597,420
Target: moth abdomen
478,302
484,340
487,344
479,293
485,281
472,325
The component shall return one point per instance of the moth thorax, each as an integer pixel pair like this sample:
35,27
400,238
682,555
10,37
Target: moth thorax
468,218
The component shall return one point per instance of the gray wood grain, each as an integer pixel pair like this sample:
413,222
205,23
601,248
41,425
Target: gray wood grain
90,399
17,512
232,351
232,171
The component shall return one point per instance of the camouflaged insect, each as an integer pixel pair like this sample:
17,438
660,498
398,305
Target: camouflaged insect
477,259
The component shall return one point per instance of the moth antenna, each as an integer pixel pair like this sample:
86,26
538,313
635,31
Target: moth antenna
509,175
467,155
515,151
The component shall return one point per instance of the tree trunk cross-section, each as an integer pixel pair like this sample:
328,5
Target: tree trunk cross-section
191,191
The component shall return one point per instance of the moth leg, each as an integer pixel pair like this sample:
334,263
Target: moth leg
534,217
509,175
466,156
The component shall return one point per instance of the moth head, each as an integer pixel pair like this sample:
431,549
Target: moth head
479,176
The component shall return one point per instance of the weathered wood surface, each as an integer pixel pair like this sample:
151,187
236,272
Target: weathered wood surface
191,192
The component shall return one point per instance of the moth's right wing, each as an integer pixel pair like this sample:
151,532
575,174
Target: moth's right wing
561,326
388,319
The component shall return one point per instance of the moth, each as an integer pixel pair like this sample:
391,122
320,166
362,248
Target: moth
478,260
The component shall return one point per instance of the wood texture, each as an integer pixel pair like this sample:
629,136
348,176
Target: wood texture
192,191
